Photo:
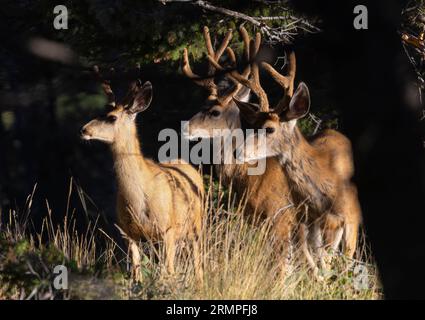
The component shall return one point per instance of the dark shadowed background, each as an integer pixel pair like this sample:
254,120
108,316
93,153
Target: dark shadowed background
45,102
358,82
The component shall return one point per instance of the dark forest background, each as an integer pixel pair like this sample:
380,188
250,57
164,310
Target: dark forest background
360,82
45,102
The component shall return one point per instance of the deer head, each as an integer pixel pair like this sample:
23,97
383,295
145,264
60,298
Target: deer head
219,111
278,136
120,115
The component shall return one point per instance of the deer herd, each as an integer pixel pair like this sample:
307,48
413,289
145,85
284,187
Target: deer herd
306,191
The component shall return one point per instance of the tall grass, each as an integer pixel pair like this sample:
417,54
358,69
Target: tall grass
238,259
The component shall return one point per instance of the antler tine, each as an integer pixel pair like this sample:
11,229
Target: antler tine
287,82
224,44
214,61
254,46
245,39
224,100
255,86
216,55
257,89
106,86
207,83
246,50
253,83
229,96
208,42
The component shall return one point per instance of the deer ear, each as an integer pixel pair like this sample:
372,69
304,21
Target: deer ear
142,99
300,103
249,111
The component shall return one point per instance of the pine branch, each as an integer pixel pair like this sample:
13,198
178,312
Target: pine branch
273,34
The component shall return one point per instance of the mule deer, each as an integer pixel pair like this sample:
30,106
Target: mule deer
268,194
319,168
155,201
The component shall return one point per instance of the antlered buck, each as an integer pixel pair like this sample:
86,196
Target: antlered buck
319,168
155,201
267,194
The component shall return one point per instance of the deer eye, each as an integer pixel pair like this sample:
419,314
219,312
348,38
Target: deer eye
111,118
215,113
270,130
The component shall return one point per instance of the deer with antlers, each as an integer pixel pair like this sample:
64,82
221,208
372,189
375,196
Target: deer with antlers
319,168
155,201
266,195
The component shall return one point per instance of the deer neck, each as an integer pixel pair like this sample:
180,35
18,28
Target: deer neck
132,172
304,170
228,168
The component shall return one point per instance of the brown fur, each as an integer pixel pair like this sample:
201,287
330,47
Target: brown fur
319,170
266,195
154,201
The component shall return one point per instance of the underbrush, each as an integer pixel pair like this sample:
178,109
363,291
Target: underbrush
238,259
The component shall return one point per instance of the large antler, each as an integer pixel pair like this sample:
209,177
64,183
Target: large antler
207,82
214,65
106,86
247,55
250,50
287,82
254,82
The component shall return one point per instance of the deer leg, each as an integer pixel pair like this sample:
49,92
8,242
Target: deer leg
351,231
170,250
196,241
135,260
285,247
337,239
317,243
283,242
286,265
333,227
303,234
197,259
352,214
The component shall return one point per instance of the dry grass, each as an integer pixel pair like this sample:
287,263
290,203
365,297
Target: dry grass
239,262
